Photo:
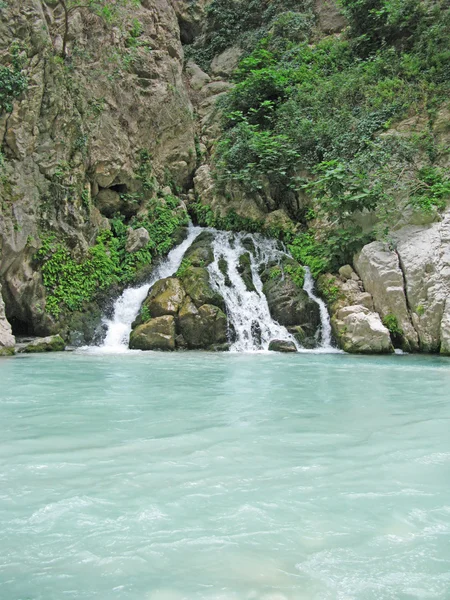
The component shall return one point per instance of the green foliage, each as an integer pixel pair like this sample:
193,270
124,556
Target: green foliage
71,283
329,290
13,81
377,22
275,273
420,310
183,268
145,314
243,22
296,273
390,321
432,190
206,217
306,118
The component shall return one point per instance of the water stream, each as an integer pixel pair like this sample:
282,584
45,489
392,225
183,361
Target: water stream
248,312
128,304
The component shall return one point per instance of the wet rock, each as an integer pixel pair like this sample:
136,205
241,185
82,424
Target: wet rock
204,327
289,304
282,346
137,239
306,336
51,343
197,286
201,254
165,297
223,268
156,334
245,271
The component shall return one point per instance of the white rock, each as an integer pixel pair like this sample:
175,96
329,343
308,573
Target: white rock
7,340
361,331
382,277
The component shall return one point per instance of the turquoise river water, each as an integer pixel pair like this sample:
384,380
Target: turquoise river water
224,477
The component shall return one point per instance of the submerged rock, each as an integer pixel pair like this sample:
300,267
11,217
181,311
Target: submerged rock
282,346
156,334
51,343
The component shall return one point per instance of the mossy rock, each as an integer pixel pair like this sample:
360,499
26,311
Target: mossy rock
7,351
202,328
282,346
197,285
223,268
52,343
245,271
289,304
200,253
156,334
165,297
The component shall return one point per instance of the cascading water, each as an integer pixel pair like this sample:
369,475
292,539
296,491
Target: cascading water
128,304
325,342
248,312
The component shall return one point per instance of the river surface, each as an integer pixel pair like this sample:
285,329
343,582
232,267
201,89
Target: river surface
224,477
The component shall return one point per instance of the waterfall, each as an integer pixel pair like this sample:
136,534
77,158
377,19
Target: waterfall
251,325
248,312
127,306
308,286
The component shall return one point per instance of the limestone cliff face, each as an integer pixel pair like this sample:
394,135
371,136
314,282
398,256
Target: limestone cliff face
79,128
412,283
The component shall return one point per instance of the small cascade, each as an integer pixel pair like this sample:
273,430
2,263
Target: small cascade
325,341
248,313
127,306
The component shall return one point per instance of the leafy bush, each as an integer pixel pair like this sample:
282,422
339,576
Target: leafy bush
13,81
306,118
71,283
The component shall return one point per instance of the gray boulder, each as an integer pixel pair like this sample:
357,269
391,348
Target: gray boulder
136,239
282,346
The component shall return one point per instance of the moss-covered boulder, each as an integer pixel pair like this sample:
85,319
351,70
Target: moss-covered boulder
289,304
200,253
197,285
282,346
51,343
156,334
204,327
165,297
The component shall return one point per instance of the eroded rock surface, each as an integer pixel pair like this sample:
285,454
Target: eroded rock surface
7,340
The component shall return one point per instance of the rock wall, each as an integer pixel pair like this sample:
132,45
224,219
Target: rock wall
76,133
412,283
